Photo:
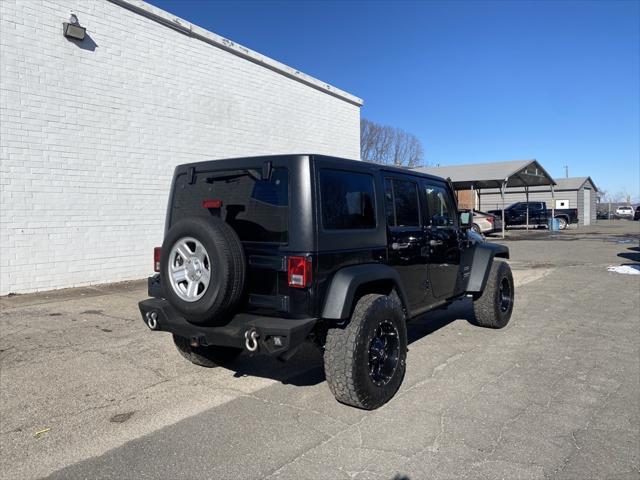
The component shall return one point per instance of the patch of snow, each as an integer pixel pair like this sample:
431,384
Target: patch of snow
626,269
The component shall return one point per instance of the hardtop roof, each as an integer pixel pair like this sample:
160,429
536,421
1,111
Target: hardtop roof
229,163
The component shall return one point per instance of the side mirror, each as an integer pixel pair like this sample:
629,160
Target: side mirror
465,218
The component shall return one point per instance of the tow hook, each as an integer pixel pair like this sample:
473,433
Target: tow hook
251,340
152,319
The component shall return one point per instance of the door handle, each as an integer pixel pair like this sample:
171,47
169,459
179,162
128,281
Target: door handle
402,245
435,243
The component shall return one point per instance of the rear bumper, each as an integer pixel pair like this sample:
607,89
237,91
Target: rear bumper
277,337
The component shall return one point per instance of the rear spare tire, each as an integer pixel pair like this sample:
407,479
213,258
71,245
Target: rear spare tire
202,268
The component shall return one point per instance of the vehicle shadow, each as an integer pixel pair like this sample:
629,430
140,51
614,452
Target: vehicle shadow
634,255
306,367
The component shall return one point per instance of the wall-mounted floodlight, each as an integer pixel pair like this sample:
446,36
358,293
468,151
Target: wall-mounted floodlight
72,28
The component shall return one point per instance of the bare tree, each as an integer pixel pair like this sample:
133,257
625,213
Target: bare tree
621,196
389,145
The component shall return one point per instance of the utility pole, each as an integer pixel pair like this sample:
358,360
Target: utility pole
566,171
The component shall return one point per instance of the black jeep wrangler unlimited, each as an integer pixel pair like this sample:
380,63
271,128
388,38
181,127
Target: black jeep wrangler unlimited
263,253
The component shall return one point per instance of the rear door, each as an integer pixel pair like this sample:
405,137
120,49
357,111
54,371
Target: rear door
517,214
442,239
537,213
406,241
256,206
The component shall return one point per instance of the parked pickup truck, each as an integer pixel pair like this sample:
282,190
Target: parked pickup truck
539,214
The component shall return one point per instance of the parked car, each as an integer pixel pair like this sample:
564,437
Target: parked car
604,215
484,222
625,211
539,214
636,215
261,254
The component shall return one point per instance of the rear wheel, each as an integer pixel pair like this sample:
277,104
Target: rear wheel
562,223
494,307
365,361
211,356
476,228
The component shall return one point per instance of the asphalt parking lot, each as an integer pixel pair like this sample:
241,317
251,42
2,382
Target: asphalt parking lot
86,391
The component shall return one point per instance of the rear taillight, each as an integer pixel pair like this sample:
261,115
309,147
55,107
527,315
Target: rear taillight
212,203
490,220
299,272
156,259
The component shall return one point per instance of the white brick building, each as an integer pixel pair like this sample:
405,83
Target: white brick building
90,131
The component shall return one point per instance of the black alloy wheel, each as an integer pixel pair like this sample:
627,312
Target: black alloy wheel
505,296
384,353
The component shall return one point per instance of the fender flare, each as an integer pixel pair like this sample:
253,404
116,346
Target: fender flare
483,255
344,284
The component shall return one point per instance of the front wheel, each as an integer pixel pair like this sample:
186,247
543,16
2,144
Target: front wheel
494,306
365,361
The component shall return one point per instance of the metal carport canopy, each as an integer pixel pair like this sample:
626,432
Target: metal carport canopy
476,176
516,173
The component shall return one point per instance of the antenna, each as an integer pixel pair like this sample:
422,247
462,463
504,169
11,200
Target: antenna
566,171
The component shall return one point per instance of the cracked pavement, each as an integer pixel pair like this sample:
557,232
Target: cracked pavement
554,395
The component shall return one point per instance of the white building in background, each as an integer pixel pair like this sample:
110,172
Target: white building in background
91,130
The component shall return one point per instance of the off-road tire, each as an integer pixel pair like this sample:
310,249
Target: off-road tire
489,307
346,356
228,269
212,356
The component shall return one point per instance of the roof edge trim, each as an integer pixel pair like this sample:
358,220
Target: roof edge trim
165,18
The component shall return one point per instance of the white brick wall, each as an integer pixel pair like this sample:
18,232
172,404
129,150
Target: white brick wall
89,139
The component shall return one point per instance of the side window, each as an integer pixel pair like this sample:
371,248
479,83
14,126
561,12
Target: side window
347,200
401,203
440,208
388,202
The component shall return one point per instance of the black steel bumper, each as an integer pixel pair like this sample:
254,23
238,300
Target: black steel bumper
278,337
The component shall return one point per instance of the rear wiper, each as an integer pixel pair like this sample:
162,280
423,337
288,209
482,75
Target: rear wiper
228,177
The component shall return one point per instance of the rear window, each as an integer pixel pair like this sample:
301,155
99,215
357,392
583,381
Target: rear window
347,200
257,209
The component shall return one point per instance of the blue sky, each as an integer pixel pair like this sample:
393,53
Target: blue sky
476,81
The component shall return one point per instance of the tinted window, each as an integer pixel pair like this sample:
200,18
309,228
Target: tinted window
257,209
388,202
347,200
401,203
440,208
